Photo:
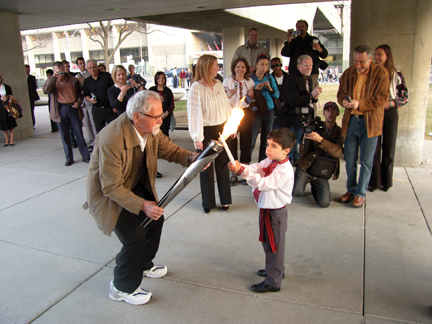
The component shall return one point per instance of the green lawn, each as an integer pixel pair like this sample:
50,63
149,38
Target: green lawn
329,94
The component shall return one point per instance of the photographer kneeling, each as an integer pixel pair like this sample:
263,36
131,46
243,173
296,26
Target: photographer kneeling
319,156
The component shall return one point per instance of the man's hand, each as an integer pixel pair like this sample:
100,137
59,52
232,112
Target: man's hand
81,80
317,47
316,92
314,136
235,168
290,34
152,210
353,104
75,105
89,99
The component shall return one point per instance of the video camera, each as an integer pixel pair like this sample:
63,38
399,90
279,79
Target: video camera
307,121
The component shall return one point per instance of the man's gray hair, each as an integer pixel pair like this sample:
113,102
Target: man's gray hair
363,49
302,58
139,103
92,60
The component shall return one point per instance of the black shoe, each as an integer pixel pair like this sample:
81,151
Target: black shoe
244,182
262,273
233,181
225,208
86,160
74,146
385,189
263,288
158,175
371,189
69,163
206,210
90,149
6,145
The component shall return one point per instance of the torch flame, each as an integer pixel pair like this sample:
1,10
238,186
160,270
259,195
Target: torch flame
233,121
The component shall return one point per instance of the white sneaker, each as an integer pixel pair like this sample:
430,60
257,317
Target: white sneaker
138,297
157,271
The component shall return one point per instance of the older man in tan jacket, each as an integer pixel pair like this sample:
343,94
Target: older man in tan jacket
363,91
121,191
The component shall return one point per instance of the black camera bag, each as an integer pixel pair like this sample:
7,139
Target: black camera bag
322,167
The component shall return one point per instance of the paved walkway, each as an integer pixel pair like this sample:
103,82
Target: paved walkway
343,265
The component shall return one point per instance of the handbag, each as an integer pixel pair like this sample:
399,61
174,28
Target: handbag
14,108
322,167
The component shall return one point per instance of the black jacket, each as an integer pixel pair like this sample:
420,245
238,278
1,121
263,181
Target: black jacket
299,46
296,95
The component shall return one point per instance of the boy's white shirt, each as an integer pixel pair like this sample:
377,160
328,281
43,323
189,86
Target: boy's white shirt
276,189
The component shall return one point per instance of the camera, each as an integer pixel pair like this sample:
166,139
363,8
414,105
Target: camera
307,121
92,95
129,83
236,85
295,33
60,72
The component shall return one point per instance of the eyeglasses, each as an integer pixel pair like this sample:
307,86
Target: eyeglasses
154,117
273,66
361,63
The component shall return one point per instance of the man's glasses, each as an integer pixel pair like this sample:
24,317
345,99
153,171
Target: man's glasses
154,117
361,63
273,66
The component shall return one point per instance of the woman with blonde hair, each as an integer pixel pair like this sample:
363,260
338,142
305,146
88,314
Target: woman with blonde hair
120,92
208,109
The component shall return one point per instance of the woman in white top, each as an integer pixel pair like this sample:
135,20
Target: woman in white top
238,86
382,169
208,109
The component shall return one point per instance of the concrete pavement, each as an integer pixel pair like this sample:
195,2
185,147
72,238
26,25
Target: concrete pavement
343,265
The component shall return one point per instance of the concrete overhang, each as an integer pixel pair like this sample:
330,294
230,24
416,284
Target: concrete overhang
51,13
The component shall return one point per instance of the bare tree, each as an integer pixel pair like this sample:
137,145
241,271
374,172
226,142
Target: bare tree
102,35
37,41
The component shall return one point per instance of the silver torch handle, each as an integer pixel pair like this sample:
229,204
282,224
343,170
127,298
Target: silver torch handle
207,156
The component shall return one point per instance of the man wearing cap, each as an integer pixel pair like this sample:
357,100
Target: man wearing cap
325,142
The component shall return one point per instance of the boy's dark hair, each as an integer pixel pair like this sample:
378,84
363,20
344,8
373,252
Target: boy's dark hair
79,59
284,137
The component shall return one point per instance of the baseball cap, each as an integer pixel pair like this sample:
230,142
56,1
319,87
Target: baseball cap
331,104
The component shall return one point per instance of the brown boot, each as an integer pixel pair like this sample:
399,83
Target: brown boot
346,197
358,202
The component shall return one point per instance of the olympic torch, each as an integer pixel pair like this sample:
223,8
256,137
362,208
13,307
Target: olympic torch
207,156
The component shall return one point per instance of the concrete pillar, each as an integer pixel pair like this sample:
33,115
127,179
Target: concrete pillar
276,45
84,40
13,72
115,36
405,26
232,38
56,48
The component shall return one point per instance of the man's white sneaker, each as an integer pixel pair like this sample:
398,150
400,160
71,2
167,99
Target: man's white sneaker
138,297
157,271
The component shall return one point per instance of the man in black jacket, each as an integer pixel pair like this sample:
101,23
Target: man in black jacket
33,95
299,93
279,75
303,44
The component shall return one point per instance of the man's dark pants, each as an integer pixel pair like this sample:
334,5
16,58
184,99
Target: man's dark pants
69,118
320,187
102,117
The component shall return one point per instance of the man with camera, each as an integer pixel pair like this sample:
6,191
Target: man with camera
319,156
95,92
299,42
363,92
65,110
136,77
299,97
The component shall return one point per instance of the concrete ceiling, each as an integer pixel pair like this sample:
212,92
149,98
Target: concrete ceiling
50,13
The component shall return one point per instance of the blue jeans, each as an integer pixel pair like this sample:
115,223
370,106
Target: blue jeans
266,125
294,152
320,187
356,138
70,119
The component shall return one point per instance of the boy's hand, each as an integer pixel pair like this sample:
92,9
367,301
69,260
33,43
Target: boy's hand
234,167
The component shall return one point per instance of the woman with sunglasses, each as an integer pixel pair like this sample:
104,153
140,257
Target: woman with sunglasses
237,86
382,170
208,109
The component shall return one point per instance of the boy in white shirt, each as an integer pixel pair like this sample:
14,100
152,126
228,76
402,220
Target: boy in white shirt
272,181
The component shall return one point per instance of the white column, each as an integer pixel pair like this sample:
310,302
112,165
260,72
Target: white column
57,56
115,36
84,40
30,54
232,39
